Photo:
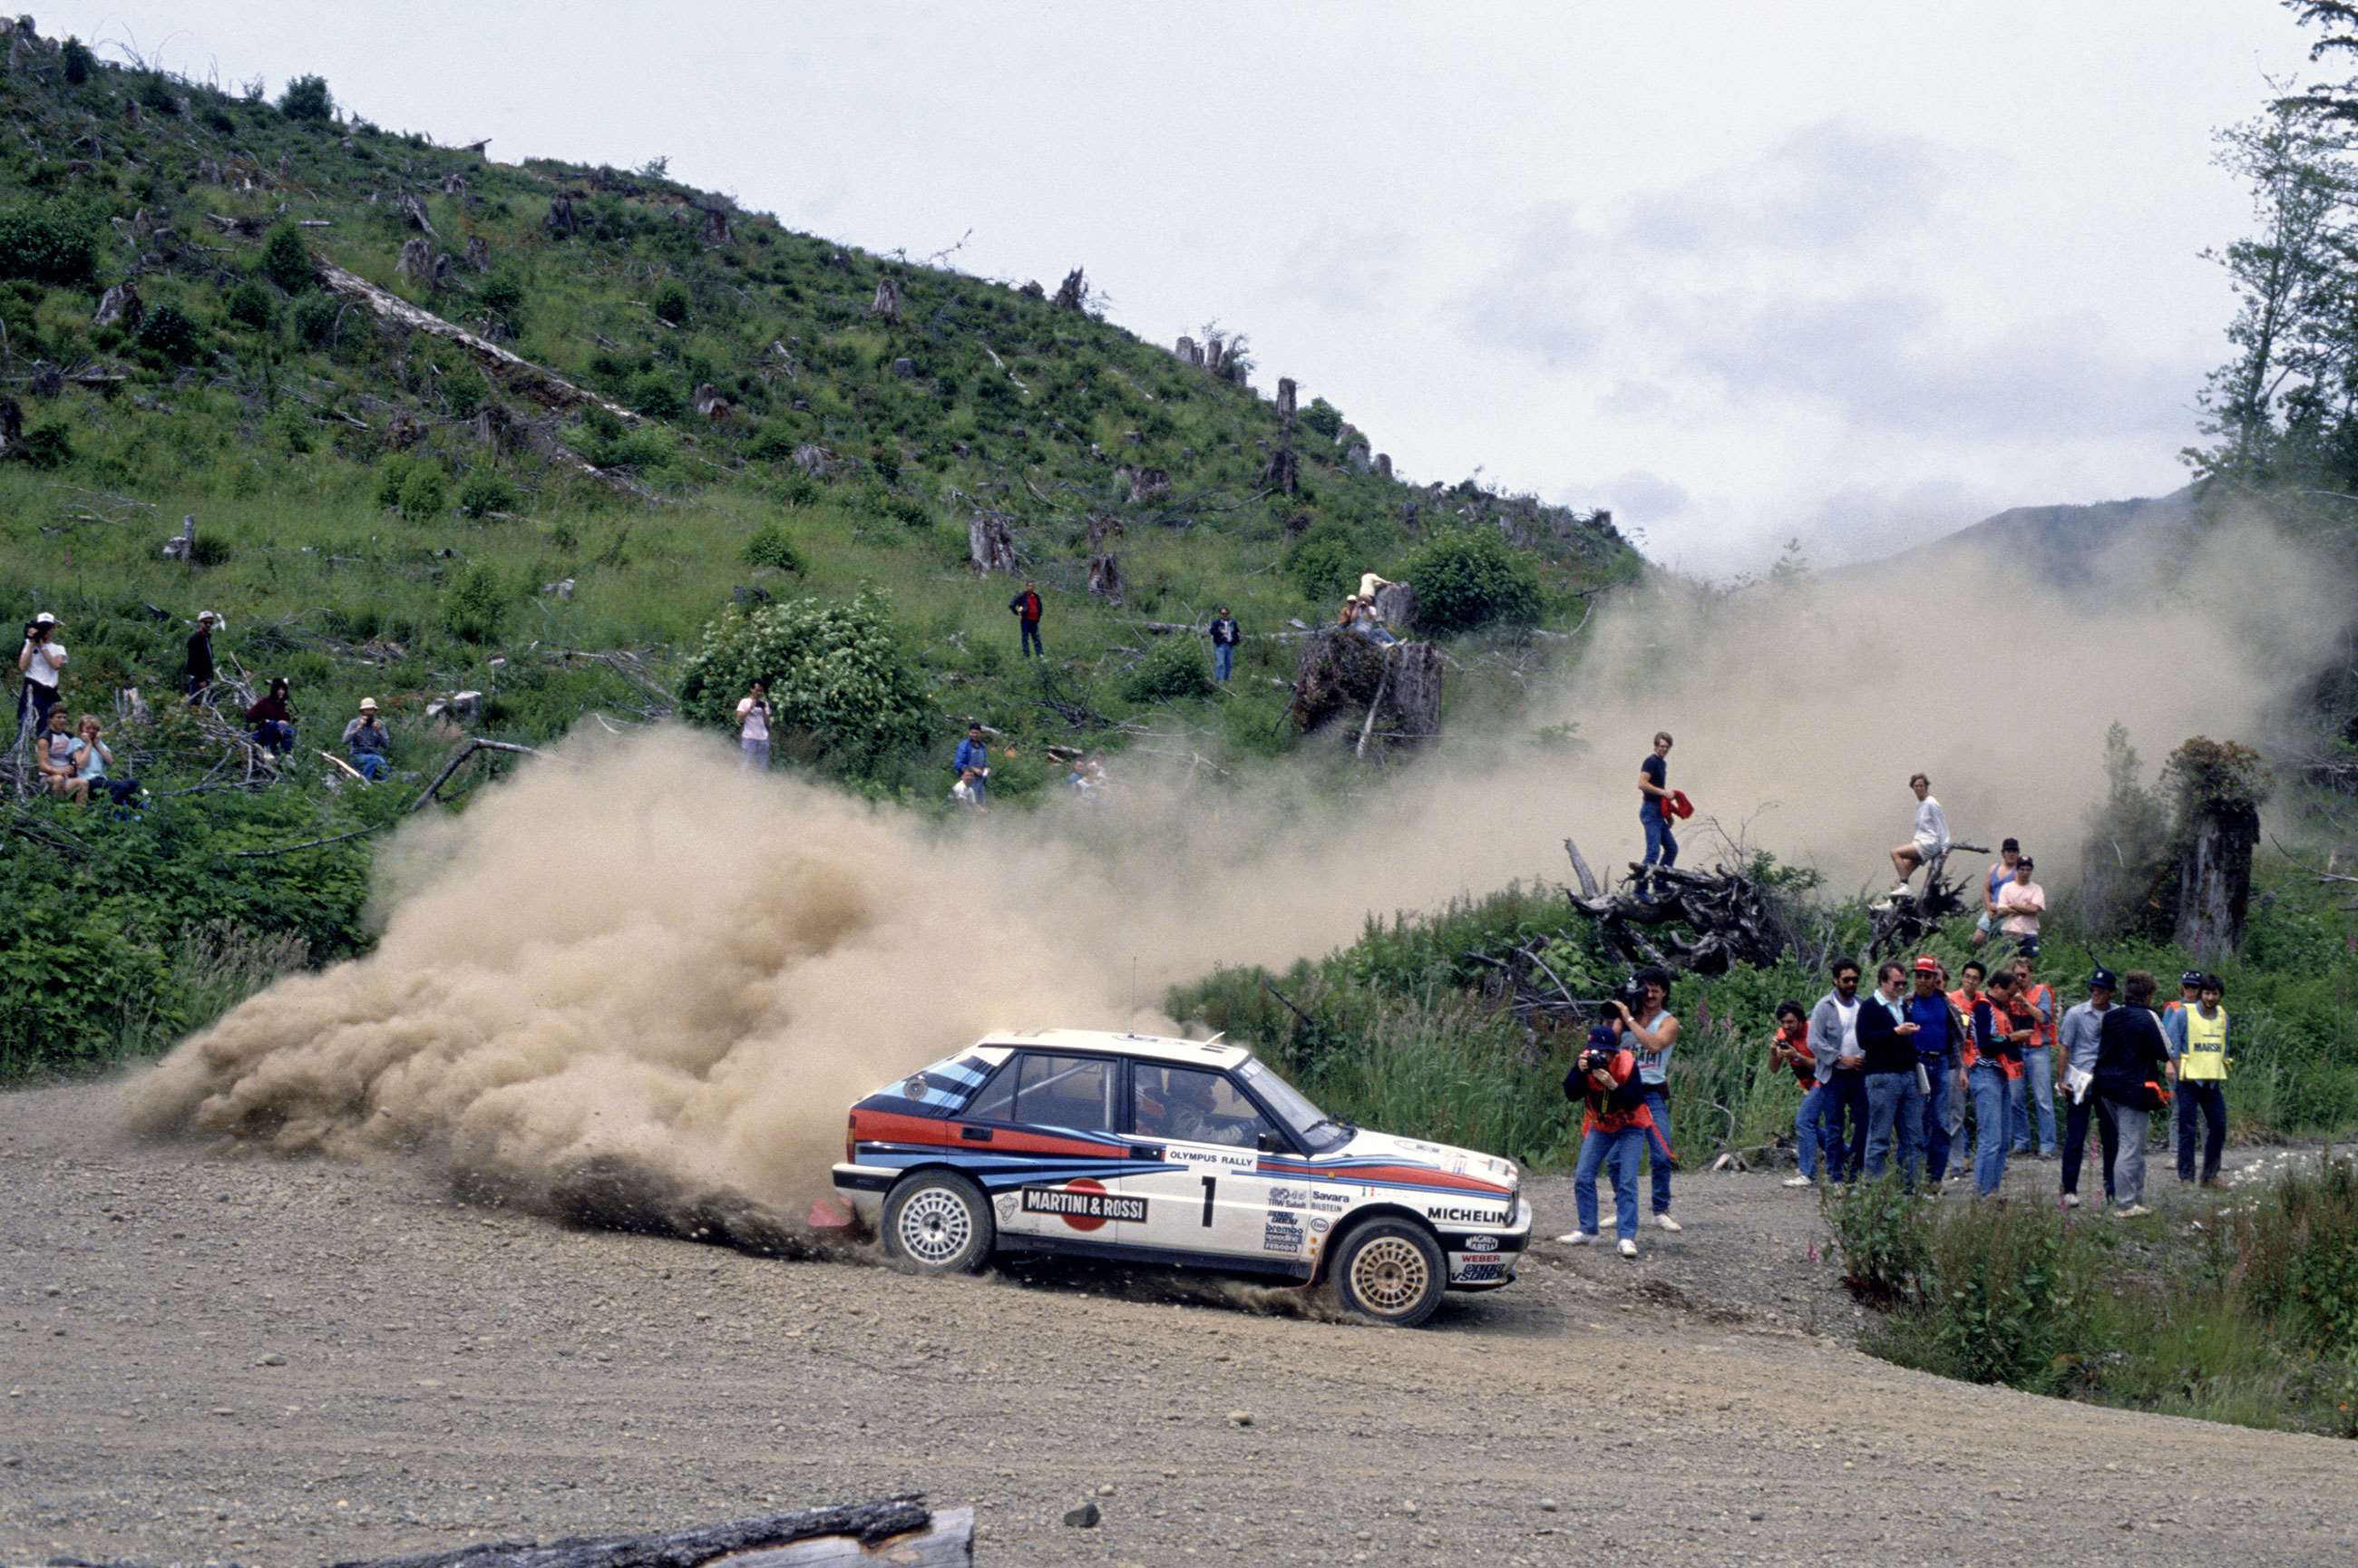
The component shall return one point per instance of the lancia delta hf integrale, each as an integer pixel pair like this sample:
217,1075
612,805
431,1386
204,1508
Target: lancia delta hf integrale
1172,1152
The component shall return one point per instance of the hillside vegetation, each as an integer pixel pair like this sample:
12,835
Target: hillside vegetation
710,416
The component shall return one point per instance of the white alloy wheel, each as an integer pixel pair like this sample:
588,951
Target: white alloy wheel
939,1223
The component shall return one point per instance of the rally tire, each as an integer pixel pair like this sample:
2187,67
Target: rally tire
937,1222
1390,1271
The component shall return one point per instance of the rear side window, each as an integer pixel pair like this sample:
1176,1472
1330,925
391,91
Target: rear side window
1052,1091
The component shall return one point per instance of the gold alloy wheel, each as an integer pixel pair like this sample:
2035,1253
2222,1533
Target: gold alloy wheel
1389,1275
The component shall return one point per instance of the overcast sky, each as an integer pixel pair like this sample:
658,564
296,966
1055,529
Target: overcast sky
1853,270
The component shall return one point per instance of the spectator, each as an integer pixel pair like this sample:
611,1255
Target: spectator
1369,586
1614,1124
2019,905
2132,1061
1654,806
1842,1081
972,762
42,662
1365,623
55,749
2082,1035
2001,872
968,790
753,729
2002,1026
1225,637
1654,1031
1895,1095
367,740
1969,991
1940,1041
2198,1045
1025,608
94,762
1931,841
197,669
1789,1047
272,719
2189,991
2037,1062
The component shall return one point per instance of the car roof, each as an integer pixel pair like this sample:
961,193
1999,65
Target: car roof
1145,1047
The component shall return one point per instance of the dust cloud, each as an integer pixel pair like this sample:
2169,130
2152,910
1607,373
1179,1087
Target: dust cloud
635,982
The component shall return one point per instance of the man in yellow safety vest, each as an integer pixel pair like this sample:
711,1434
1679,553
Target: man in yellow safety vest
2198,1044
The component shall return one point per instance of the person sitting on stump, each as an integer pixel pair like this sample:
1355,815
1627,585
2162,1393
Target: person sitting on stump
1931,841
366,741
272,719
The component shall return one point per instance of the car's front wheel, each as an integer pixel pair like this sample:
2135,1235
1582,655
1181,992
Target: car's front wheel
1391,1272
939,1223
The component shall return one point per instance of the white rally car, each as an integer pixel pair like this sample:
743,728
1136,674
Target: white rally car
1172,1152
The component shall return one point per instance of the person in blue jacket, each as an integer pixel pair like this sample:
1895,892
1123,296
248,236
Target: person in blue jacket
973,752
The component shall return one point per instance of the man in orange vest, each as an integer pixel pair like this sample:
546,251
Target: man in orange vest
2038,1062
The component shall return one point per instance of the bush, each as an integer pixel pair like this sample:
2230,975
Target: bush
771,444
1322,418
47,242
671,304
171,335
249,305
80,62
484,493
769,546
657,396
315,321
46,446
422,493
1172,671
307,98
475,606
1325,562
287,260
1471,577
1997,1297
1884,1239
843,693
502,296
2301,1248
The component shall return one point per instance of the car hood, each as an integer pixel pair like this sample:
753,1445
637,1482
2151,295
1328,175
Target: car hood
1472,1163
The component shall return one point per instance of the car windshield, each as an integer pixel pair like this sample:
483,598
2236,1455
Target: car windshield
1292,1107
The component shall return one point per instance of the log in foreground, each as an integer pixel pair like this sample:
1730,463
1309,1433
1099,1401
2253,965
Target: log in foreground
896,1533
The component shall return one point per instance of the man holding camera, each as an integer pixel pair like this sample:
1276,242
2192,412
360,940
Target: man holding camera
1615,1125
42,662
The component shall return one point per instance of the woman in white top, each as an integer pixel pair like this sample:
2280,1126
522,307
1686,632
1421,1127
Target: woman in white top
753,729
1931,836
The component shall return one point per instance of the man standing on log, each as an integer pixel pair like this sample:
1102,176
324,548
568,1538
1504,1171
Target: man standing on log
1025,608
1225,637
2019,905
1654,808
1930,839
1842,1083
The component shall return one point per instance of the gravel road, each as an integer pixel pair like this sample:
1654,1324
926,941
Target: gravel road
284,1363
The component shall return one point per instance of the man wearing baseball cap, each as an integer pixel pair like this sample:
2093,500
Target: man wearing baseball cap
42,662
2198,1050
1940,1041
2082,1038
367,739
197,669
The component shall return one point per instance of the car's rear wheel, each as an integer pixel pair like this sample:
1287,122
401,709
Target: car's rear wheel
1390,1271
939,1223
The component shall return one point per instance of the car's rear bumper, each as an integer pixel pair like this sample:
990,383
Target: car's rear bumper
863,1188
1485,1259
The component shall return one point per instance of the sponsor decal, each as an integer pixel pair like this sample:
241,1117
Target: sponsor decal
1006,1207
1289,1197
1481,1244
1319,1224
1480,1273
1482,1257
1283,1233
1463,1216
1084,1204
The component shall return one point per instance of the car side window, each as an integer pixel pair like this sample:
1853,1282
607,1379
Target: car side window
995,1101
1053,1091
1194,1105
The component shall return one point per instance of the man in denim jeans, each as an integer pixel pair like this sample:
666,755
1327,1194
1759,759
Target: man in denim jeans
1894,1097
2002,1026
2037,1062
1654,807
1225,636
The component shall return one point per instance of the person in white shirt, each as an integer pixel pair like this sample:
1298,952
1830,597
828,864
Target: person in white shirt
2019,905
1930,839
753,729
42,662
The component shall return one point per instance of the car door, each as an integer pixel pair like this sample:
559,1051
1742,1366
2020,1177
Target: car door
1195,1139
1041,1137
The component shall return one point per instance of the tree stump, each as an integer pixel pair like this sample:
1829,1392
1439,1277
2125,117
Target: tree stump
1104,578
121,306
716,227
1073,292
1283,473
12,427
1286,393
1145,484
990,543
48,380
813,460
479,253
1396,606
414,210
709,403
454,185
1189,350
496,428
416,263
1104,526
1357,458
1384,464
1215,353
886,306
1396,691
560,219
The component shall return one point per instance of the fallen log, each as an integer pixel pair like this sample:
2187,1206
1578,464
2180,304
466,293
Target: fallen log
901,1531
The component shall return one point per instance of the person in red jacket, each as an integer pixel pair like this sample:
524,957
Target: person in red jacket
1614,1125
1791,1048
1025,608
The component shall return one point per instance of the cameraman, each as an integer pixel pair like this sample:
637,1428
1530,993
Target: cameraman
42,662
1615,1125
1650,1031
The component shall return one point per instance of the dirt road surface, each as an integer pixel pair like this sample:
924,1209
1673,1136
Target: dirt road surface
286,1363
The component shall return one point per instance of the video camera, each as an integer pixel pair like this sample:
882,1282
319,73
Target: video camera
34,631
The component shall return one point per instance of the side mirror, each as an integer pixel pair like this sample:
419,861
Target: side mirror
1270,1144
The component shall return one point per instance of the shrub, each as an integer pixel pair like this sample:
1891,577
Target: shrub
1884,1237
842,690
249,305
2300,1246
502,296
171,335
1470,577
78,61
671,304
484,493
422,493
46,446
771,444
657,396
1173,671
1322,418
475,605
287,260
315,321
1325,561
769,546
47,242
1997,1296
307,98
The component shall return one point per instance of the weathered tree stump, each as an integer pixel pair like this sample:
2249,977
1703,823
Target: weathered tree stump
1396,606
886,306
1189,351
1384,464
717,231
12,427
1357,458
990,543
479,253
813,459
1395,688
1283,473
48,380
2220,786
416,263
1286,393
1073,292
1103,527
454,185
710,404
1145,484
414,210
560,219
1104,578
121,306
